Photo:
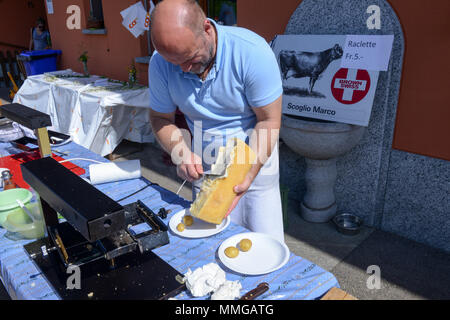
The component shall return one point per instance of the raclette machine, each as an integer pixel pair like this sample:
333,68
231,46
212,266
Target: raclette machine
32,119
99,237
105,240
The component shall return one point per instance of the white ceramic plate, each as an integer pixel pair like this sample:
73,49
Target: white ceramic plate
266,255
199,229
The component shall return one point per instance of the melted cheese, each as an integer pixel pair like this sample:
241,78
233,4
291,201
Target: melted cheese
216,193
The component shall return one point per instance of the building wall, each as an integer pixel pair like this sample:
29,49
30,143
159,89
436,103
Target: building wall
265,17
109,54
423,113
422,125
15,31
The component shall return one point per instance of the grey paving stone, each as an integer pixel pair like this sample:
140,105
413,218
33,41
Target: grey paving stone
408,269
319,242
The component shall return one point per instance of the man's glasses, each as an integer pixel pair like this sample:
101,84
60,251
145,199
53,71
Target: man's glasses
41,27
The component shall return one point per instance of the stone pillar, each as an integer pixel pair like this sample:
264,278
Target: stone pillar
319,203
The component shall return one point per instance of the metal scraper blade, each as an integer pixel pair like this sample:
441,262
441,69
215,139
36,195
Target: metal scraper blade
211,173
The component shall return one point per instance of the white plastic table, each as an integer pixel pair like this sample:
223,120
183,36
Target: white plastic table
96,117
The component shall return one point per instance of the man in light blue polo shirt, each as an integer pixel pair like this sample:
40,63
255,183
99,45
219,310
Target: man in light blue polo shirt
226,82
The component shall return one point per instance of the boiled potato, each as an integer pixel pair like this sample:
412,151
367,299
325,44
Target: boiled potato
180,227
188,220
245,244
231,252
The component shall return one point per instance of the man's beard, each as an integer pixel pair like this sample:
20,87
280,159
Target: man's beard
203,67
205,64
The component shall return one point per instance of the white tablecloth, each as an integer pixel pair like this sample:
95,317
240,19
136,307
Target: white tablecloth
96,117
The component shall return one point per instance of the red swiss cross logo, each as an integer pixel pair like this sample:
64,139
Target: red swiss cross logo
350,86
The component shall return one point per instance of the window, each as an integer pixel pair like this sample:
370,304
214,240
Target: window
223,11
95,19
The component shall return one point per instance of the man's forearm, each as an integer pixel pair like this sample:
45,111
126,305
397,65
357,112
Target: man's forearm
169,136
266,132
263,140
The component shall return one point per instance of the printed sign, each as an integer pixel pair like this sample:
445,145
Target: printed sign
316,86
367,52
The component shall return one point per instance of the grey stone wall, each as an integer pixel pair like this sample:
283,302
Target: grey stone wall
393,190
417,200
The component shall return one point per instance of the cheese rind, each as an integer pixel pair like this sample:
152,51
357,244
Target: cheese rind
216,193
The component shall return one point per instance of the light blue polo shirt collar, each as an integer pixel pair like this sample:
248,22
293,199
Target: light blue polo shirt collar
217,63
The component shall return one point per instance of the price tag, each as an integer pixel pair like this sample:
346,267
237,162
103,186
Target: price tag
367,52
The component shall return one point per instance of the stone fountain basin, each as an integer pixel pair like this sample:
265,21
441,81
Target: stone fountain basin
319,139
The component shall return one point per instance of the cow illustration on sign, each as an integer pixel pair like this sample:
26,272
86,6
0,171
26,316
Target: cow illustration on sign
300,64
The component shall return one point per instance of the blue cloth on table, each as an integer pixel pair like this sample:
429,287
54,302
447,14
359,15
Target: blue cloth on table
298,279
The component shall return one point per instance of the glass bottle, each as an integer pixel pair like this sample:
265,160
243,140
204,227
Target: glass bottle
8,182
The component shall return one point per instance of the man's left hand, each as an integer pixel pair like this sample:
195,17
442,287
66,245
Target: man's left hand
242,188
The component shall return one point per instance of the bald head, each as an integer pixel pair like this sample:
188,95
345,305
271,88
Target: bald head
175,16
180,31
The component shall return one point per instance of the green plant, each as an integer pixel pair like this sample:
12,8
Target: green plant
132,76
83,57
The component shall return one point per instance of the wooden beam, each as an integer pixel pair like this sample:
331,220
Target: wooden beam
44,142
21,66
12,45
4,70
337,294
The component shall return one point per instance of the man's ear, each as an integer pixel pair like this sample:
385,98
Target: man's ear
207,26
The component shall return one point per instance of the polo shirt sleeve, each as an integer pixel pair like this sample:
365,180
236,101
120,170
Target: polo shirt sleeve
262,77
158,75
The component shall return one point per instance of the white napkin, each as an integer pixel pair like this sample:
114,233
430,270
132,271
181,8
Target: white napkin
101,83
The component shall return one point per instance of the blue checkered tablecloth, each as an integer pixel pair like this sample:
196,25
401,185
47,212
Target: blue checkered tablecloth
299,279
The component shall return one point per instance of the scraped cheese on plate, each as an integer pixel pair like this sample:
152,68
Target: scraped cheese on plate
199,229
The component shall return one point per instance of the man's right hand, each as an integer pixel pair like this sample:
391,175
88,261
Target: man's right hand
190,169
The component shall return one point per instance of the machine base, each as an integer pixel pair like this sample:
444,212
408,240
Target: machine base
134,276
